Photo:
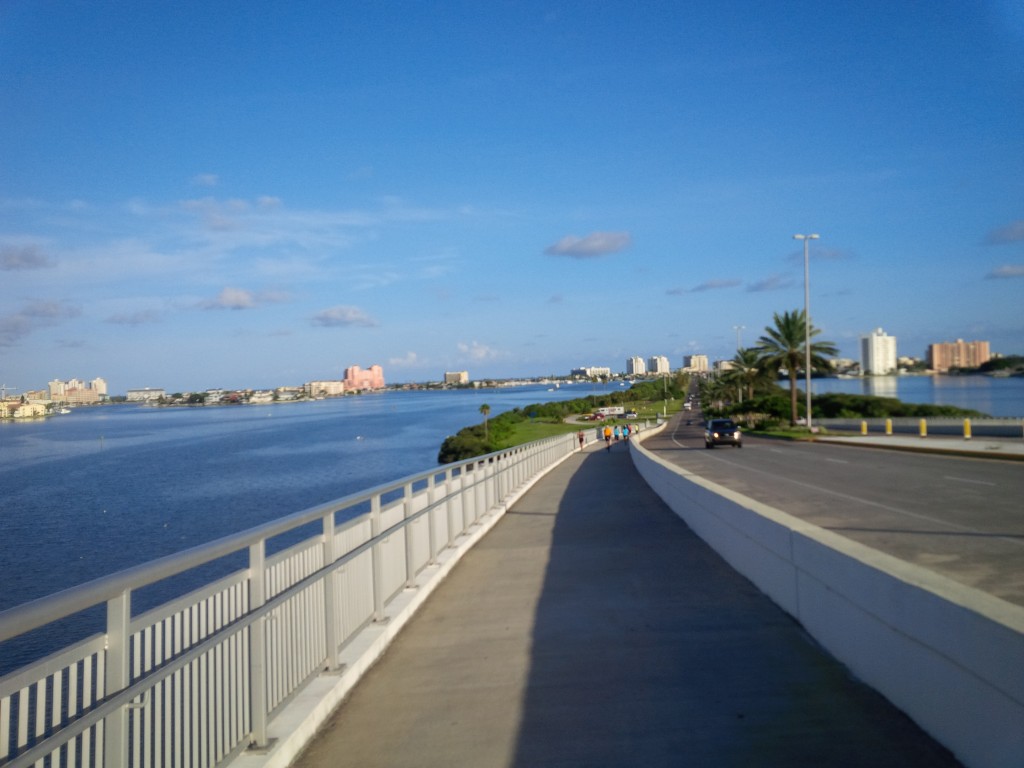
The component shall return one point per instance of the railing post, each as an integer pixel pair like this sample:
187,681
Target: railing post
449,506
410,564
431,514
258,646
377,560
330,593
490,473
115,726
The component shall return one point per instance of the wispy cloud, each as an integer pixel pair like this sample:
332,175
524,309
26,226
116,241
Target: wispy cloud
342,316
410,360
822,253
1011,233
477,351
771,283
33,316
595,244
1006,271
22,257
715,285
206,180
142,317
240,298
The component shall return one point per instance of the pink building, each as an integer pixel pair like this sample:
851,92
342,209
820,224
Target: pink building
356,378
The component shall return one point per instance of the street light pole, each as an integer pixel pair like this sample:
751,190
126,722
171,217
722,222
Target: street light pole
807,321
738,328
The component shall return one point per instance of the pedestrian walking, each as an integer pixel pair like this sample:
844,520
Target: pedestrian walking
581,438
607,437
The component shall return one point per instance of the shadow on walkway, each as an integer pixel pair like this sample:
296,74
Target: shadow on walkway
649,650
608,634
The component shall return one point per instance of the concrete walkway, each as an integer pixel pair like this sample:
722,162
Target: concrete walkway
590,627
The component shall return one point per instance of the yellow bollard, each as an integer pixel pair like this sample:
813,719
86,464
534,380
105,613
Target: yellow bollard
888,426
967,429
863,427
924,428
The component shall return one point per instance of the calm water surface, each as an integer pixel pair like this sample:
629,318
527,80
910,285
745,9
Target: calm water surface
101,489
1001,397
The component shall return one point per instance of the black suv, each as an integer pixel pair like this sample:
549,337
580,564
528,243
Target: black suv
722,432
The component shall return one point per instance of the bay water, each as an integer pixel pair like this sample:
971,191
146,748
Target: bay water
1000,397
107,487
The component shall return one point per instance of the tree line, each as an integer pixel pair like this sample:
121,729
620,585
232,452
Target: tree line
495,434
748,391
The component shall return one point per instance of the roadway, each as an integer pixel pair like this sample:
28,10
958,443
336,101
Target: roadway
959,516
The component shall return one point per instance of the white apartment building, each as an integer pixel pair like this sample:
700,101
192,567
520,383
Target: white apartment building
659,365
456,377
635,366
877,353
592,372
695,363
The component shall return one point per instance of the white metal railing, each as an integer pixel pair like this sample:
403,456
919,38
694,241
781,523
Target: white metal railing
196,680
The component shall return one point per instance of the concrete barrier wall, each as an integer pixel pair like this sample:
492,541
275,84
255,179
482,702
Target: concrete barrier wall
949,656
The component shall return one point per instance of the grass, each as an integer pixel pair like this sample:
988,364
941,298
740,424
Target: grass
535,429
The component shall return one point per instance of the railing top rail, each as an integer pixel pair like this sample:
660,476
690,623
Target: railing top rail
37,613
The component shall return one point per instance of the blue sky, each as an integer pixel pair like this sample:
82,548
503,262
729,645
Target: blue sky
231,194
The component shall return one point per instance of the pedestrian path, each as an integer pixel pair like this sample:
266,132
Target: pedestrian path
591,627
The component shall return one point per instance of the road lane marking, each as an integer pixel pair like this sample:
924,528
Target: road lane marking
968,480
865,502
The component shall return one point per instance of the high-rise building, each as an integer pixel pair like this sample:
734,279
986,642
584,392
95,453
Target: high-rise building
456,377
695,363
635,366
877,353
659,365
358,379
958,354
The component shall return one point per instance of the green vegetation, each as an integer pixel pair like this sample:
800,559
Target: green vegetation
749,392
1011,364
783,348
522,425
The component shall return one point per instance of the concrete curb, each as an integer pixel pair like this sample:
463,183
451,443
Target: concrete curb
946,654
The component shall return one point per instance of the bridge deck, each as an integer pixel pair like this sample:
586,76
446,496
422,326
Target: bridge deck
592,627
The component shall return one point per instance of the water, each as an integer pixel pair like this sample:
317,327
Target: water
999,397
104,488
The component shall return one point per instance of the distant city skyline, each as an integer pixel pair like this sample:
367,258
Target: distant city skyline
199,196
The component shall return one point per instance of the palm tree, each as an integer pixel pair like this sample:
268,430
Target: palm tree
485,409
748,372
783,347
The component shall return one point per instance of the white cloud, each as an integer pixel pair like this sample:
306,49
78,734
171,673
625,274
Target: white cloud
240,298
594,244
477,351
342,316
35,315
714,285
1006,271
1011,233
410,360
22,257
141,317
206,180
771,283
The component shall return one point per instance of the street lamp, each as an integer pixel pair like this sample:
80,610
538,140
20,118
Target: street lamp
807,322
738,328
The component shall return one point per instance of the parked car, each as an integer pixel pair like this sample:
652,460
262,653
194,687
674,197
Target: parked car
722,432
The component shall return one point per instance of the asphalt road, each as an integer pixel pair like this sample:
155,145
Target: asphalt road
961,517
